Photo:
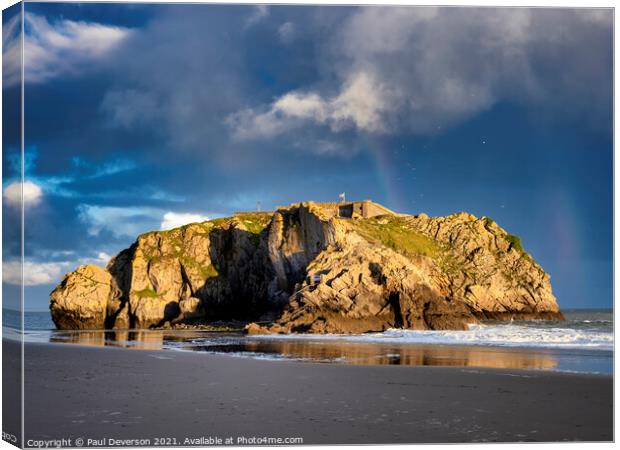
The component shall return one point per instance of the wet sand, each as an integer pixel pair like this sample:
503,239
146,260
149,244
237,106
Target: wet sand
78,391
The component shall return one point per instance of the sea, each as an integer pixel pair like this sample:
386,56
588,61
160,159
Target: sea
583,343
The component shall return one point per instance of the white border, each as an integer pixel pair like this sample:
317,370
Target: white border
482,3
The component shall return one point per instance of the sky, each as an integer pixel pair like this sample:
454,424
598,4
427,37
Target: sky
144,117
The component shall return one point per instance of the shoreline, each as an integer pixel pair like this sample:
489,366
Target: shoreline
107,392
348,350
40,346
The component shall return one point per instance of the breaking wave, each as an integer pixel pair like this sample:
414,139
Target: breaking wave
595,335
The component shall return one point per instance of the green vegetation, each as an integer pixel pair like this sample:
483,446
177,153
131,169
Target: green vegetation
515,242
173,238
205,271
146,293
397,234
219,222
205,227
450,263
255,223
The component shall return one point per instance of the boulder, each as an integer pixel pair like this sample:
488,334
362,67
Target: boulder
80,300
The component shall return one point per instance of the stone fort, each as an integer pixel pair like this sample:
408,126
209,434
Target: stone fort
350,210
364,208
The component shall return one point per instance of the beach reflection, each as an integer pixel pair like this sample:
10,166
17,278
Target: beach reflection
407,354
133,339
316,350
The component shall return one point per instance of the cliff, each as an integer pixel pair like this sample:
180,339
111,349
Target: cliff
303,270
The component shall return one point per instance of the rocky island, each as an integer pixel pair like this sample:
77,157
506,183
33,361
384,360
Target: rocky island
315,268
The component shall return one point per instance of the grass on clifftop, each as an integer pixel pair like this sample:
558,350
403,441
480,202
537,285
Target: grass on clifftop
255,223
397,234
515,242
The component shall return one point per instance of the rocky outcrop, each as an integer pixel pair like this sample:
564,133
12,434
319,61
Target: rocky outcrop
302,270
80,301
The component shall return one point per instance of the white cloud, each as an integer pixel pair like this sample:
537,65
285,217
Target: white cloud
11,52
38,273
174,220
385,30
34,273
360,104
102,259
132,221
66,46
32,194
259,13
301,106
287,32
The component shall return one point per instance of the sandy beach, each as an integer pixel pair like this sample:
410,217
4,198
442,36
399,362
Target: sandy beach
101,393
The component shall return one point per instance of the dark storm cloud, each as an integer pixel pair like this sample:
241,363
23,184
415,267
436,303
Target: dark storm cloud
421,70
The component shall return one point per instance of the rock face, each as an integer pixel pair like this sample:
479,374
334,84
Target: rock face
489,269
302,270
412,272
